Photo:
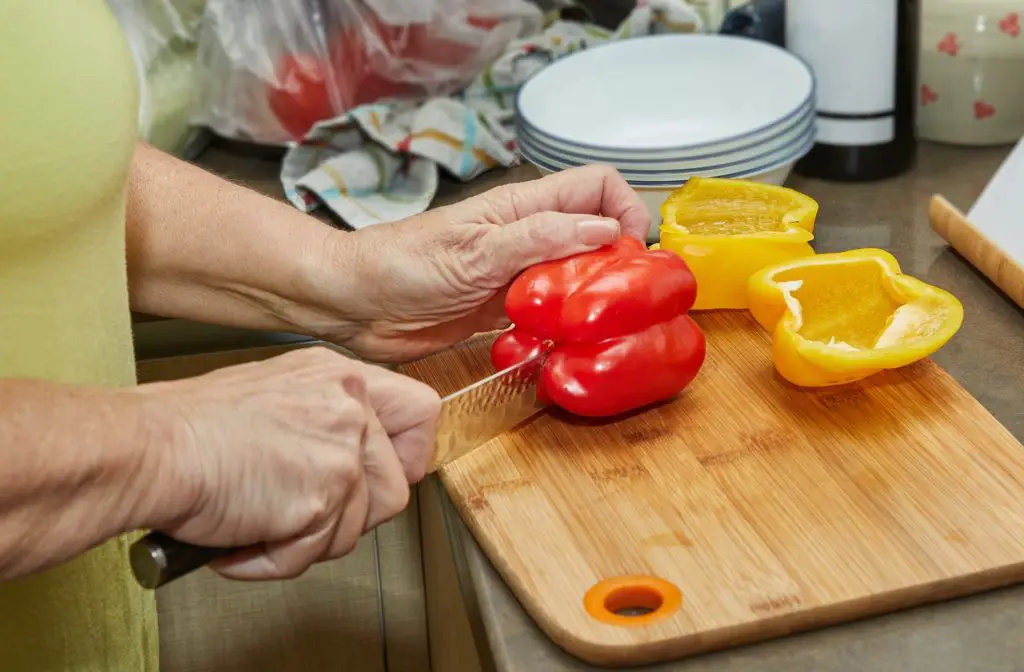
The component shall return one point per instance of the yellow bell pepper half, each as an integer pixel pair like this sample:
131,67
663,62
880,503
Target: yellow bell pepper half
838,318
726,230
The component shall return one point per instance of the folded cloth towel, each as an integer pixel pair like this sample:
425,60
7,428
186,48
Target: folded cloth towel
380,162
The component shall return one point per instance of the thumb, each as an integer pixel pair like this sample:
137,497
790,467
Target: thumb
545,236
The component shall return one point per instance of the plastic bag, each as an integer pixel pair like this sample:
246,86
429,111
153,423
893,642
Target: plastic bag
270,69
163,37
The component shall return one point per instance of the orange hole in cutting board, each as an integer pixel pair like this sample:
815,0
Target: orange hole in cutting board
633,601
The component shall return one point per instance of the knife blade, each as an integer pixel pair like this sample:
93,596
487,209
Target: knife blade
469,418
476,414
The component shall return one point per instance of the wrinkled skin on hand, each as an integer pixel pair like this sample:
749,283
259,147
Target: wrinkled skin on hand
296,456
433,280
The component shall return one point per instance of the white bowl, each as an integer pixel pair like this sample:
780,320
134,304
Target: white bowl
672,176
776,137
654,193
728,162
653,197
663,93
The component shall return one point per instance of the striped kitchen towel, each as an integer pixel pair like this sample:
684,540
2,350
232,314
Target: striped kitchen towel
380,162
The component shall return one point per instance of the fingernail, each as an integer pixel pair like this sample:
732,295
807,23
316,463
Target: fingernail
598,231
258,565
248,564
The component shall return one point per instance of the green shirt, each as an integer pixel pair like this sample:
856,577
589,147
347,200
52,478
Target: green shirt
67,131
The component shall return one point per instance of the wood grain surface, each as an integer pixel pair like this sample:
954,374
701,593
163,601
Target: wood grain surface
772,508
977,248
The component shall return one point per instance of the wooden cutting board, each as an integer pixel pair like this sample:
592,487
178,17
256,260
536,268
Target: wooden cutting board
770,508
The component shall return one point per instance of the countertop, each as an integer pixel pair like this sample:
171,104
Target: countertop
984,632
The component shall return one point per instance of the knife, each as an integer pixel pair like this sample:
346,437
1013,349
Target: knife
469,418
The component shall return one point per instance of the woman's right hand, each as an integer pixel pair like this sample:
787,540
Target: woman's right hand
297,456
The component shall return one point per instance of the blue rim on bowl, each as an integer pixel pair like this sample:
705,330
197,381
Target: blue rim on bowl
794,156
536,150
684,148
531,152
523,131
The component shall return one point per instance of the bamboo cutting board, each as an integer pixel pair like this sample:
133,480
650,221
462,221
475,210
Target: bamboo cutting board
743,510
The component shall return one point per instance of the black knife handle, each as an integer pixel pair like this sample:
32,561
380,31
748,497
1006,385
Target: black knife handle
157,559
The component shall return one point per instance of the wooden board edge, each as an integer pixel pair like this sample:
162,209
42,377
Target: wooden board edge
796,622
595,652
971,243
979,408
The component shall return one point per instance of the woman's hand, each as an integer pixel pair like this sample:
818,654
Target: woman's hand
206,250
397,291
300,454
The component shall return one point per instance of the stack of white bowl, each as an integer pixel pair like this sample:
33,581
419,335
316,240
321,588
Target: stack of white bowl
663,108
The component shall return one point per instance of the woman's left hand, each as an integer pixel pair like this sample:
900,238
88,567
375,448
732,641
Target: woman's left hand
394,292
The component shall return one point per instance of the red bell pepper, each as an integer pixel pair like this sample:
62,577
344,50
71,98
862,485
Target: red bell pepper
617,319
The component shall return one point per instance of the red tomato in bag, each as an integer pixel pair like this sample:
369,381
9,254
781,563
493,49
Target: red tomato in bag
300,97
355,74
369,62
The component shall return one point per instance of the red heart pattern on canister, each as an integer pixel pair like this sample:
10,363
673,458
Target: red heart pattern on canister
949,44
983,110
1010,24
928,95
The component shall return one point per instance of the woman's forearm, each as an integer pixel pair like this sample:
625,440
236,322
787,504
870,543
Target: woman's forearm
77,467
205,249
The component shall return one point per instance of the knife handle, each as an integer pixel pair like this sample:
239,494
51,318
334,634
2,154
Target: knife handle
157,559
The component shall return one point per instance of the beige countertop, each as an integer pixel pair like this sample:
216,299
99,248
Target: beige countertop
984,632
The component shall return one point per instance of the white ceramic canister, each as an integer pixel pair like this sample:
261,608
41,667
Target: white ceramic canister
971,72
